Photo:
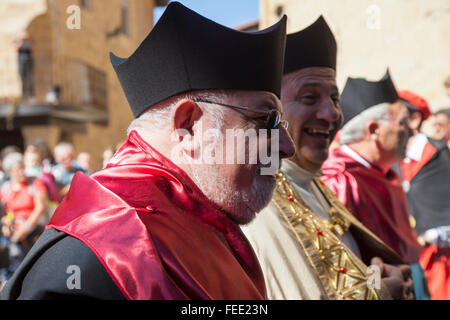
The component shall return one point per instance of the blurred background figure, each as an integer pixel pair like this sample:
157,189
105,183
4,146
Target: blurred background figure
447,86
425,170
441,125
65,167
3,153
24,47
425,173
34,154
7,150
32,160
47,161
84,161
108,154
53,95
24,204
2,174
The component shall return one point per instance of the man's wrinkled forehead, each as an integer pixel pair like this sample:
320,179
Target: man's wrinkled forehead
314,76
442,118
399,107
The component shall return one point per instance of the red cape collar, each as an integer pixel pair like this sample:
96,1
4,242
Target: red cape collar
138,179
339,162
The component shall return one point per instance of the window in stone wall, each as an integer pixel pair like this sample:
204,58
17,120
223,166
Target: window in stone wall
88,86
97,87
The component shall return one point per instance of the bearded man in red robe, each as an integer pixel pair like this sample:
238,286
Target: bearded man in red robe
160,221
373,138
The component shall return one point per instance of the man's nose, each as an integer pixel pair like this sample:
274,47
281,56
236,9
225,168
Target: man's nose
329,111
287,147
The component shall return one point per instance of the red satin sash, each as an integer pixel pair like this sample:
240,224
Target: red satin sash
155,232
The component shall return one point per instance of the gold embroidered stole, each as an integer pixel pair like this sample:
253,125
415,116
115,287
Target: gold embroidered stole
341,273
342,219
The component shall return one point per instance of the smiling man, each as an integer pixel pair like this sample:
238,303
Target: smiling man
157,224
308,244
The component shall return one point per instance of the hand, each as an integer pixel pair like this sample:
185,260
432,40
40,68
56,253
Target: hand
421,240
397,279
6,227
6,231
21,233
5,221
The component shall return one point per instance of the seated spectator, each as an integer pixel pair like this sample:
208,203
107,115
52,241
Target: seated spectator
42,147
5,151
65,167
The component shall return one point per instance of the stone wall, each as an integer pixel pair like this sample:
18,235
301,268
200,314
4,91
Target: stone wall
15,16
61,50
411,37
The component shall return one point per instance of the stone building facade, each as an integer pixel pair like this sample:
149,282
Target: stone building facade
411,37
72,40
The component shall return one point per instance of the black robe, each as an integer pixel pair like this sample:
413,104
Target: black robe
429,190
44,272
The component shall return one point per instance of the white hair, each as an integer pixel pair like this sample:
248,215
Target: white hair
353,131
11,160
161,114
63,147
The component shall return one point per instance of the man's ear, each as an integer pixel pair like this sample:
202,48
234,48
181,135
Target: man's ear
187,112
372,129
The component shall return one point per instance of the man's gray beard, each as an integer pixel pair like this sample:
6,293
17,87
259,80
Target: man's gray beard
241,205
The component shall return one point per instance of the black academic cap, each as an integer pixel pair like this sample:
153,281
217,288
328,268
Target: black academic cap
360,94
186,51
314,46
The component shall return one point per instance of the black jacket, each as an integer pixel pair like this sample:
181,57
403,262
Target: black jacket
48,271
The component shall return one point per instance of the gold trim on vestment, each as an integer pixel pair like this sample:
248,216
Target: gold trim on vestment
350,219
341,273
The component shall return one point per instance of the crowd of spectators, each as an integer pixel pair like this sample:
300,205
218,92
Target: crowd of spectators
32,184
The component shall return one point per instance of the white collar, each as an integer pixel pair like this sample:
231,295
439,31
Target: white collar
298,174
416,149
349,151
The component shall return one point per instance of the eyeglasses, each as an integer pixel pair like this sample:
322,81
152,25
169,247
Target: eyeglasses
273,119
